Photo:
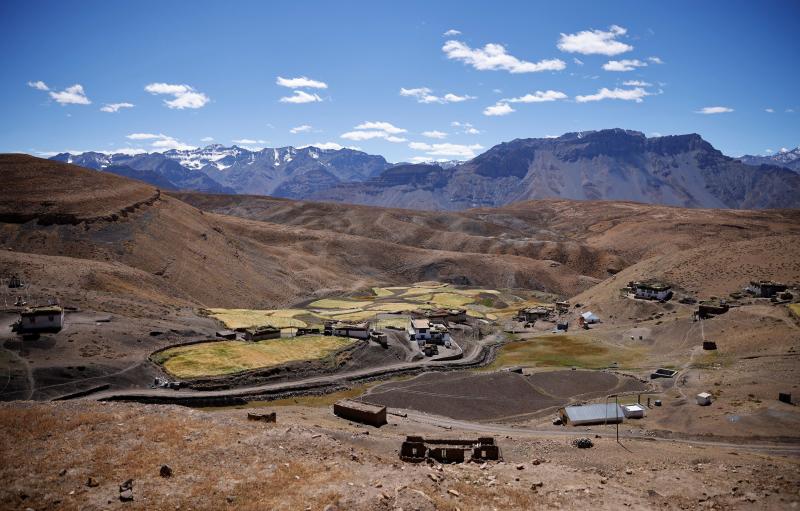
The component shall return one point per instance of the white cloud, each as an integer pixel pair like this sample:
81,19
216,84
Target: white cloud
636,94
434,134
790,110
623,65
143,136
380,125
452,33
768,151
577,61
248,141
301,82
655,60
784,150
207,139
769,110
425,95
300,129
455,98
536,97
595,42
327,146
130,151
375,130
636,83
301,97
38,85
468,128
371,134
168,143
498,110
161,142
446,149
115,107
493,57
71,96
714,110
184,96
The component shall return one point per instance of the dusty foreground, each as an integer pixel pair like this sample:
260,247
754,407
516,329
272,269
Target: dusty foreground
75,455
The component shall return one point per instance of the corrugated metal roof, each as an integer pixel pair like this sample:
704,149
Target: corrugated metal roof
594,414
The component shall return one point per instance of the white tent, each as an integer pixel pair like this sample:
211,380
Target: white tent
590,317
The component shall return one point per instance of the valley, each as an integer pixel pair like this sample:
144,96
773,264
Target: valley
165,293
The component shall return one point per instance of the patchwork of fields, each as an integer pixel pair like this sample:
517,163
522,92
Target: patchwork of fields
488,304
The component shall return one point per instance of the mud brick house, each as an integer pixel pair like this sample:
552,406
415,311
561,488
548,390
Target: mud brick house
765,288
41,319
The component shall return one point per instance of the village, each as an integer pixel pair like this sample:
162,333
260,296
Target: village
434,374
421,328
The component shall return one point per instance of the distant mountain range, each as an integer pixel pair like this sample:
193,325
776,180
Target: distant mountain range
788,159
282,172
614,164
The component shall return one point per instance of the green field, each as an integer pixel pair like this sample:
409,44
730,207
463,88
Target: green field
560,351
228,357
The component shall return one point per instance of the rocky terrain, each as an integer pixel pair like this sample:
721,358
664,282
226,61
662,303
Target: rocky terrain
682,170
283,172
788,158
136,263
614,164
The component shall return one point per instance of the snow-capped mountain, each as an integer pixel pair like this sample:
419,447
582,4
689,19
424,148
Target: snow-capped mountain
284,171
784,158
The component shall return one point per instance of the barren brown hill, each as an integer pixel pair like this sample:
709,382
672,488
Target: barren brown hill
591,237
218,260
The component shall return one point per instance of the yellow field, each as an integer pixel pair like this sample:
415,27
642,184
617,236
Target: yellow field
475,292
244,318
400,322
332,303
795,307
451,300
228,357
382,292
354,316
396,307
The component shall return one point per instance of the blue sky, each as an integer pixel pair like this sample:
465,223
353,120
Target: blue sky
396,82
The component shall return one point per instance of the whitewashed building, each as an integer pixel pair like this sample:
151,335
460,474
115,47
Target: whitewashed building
423,331
41,319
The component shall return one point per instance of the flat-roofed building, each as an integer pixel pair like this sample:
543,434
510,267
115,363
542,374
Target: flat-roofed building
600,413
651,290
343,329
427,331
41,319
364,413
765,288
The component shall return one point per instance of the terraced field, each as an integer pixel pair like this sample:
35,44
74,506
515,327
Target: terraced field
228,357
487,304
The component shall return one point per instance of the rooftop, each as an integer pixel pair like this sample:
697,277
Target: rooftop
358,405
416,324
47,309
655,286
599,412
